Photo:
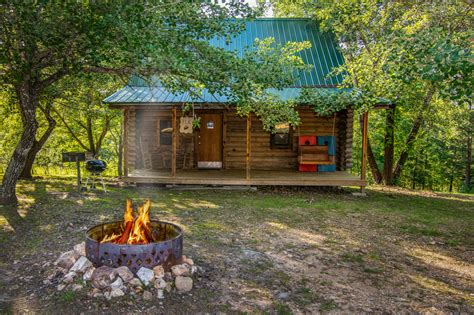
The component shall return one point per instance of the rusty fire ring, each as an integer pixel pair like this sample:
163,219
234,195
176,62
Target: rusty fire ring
165,252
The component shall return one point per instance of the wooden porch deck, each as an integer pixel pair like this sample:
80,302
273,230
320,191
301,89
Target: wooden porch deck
237,177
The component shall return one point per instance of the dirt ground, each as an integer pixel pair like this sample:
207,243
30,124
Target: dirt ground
276,251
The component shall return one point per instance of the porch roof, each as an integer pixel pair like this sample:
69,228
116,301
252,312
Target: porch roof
158,95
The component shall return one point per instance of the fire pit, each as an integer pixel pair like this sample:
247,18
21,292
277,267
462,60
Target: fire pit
133,256
166,251
135,242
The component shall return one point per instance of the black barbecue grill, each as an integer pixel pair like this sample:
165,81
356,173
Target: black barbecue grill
96,166
95,169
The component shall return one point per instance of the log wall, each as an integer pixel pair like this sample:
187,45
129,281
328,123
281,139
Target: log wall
143,150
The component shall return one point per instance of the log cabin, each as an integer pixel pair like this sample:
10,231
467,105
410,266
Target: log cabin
162,147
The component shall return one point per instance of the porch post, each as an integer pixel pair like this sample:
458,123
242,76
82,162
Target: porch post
175,133
125,142
363,164
248,153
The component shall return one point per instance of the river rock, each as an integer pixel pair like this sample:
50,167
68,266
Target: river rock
80,249
81,264
147,296
88,273
183,284
145,275
107,295
180,270
187,260
66,260
160,283
124,273
117,284
135,282
76,287
116,292
69,278
103,276
283,295
159,271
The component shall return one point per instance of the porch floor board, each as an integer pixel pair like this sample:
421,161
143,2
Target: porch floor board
237,177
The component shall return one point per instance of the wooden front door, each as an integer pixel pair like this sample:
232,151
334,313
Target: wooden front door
209,141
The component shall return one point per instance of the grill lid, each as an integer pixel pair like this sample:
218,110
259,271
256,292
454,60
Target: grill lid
96,166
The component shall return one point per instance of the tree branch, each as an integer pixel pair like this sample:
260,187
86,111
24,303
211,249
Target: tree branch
71,131
105,129
52,78
413,133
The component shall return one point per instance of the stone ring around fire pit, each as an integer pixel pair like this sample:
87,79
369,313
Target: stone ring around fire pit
166,252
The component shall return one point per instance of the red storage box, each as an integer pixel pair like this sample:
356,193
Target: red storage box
307,167
307,140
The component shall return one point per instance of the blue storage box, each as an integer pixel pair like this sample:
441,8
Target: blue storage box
326,168
330,141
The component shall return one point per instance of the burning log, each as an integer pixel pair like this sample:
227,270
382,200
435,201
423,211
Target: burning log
137,230
128,220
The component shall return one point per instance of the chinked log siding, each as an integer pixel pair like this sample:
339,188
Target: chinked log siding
143,149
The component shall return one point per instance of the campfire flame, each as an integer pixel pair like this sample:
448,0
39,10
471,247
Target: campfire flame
135,230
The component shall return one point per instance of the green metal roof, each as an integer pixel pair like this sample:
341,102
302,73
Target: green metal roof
324,56
154,95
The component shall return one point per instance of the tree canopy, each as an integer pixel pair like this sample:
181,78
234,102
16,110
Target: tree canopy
43,42
418,55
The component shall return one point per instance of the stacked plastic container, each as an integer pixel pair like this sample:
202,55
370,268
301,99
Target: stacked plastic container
306,141
330,141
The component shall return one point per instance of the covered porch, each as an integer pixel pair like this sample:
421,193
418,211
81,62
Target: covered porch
239,178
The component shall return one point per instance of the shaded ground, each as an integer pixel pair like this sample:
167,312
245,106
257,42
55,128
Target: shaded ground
263,251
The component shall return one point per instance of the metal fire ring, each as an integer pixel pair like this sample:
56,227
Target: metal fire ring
166,252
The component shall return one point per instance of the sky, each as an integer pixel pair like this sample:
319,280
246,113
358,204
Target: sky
253,3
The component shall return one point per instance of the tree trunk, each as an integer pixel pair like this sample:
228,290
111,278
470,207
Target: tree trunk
90,138
467,180
451,179
413,133
372,162
425,164
28,99
389,146
38,145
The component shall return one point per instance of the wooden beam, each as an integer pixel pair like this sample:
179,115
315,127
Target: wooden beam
224,140
174,141
125,142
248,153
365,135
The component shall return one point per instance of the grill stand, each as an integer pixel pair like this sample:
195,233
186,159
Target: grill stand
93,177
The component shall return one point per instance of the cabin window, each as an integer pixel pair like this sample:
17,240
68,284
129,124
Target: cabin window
166,131
281,136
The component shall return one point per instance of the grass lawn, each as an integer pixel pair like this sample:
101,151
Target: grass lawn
265,251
